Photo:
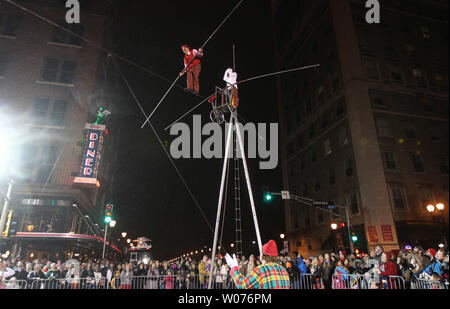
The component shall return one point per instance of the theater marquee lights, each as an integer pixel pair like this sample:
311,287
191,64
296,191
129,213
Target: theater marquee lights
91,155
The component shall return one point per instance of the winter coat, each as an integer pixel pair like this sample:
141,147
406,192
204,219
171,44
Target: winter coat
301,266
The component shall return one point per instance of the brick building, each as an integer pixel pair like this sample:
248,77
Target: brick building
369,128
51,84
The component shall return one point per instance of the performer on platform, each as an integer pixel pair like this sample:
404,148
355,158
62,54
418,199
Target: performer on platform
269,275
193,67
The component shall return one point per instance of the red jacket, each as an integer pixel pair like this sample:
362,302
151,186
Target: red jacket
390,269
194,54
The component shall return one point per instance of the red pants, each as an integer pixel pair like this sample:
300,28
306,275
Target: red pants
193,82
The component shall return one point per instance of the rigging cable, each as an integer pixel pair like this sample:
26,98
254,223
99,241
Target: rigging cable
164,148
91,42
178,77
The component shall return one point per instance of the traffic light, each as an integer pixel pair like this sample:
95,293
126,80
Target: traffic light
343,225
13,225
268,197
354,237
108,213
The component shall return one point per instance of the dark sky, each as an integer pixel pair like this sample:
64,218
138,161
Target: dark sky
150,198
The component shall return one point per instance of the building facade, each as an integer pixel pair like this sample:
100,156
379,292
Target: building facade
369,128
51,84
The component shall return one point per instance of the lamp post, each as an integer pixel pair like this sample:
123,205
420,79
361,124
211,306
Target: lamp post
112,224
437,210
124,234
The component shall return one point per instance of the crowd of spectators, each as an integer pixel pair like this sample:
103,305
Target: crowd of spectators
410,265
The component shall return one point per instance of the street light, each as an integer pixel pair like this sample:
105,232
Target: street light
128,240
440,206
282,236
334,226
124,234
113,223
431,208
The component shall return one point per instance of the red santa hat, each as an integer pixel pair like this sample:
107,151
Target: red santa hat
270,249
432,251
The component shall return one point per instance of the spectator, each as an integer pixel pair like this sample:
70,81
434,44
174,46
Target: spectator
126,278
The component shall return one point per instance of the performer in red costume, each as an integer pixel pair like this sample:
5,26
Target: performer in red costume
193,67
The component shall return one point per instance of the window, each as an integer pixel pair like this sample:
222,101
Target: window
429,106
340,108
46,163
443,165
440,78
425,33
384,127
317,184
419,76
58,115
302,163
401,102
410,131
327,147
398,196
55,70
63,37
343,136
3,63
378,99
390,160
352,202
371,66
40,110
331,177
395,70
320,217
304,190
314,157
321,94
9,25
348,167
417,162
411,50
28,161
307,219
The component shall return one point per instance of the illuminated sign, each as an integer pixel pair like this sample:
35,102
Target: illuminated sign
92,155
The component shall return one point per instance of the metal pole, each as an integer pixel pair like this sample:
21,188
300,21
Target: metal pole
104,241
249,186
5,208
349,230
219,206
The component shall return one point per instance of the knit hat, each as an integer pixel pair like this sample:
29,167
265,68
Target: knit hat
432,251
270,248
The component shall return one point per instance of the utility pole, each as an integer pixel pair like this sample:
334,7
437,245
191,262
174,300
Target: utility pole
5,208
286,195
104,241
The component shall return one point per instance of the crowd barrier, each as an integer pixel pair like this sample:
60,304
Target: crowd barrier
422,284
367,281
220,282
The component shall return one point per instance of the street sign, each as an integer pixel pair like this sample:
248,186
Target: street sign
329,204
285,195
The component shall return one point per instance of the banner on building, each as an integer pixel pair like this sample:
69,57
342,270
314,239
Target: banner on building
373,234
387,233
91,155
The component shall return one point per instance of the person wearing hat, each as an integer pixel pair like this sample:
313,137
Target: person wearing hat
435,266
269,275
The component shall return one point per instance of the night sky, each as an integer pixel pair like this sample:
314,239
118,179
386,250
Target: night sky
150,199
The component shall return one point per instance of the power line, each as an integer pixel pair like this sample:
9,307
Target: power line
178,77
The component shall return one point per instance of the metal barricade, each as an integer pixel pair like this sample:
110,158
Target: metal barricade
306,282
424,284
68,284
393,283
352,282
13,284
